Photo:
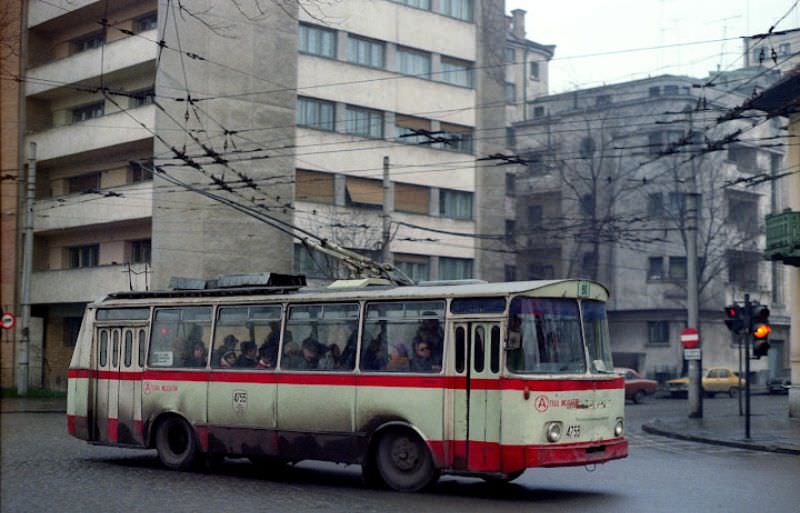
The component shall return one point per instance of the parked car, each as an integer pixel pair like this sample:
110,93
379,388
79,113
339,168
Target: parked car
779,384
636,387
715,380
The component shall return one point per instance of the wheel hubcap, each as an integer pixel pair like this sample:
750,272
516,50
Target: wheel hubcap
405,454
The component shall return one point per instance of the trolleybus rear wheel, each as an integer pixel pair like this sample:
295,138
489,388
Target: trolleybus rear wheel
176,443
404,461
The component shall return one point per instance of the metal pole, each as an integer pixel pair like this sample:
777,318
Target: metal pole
387,210
27,263
739,388
695,366
748,324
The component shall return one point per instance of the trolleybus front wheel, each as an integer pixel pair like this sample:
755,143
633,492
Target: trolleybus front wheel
176,443
404,461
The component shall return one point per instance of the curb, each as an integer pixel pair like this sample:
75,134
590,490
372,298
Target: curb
4,412
652,429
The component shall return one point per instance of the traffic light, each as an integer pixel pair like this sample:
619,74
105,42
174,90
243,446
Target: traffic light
735,318
760,328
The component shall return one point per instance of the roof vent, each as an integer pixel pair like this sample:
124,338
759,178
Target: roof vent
360,283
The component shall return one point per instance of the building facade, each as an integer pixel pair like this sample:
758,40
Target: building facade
606,196
290,113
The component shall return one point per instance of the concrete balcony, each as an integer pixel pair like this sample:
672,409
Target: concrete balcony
119,55
85,284
40,11
76,210
111,130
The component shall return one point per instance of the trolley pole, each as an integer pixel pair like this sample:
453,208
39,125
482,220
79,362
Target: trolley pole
695,366
388,206
23,354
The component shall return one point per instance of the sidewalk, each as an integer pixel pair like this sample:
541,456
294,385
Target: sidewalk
773,432
33,405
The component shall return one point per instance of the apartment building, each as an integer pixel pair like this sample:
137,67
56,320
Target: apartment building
780,50
291,113
605,197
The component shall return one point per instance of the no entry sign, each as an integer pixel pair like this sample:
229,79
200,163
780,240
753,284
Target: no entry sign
690,338
8,320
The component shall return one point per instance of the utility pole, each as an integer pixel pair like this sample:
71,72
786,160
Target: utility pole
695,366
388,207
748,323
23,353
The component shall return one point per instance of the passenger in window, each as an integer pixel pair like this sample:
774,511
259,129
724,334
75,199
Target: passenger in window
249,356
422,361
228,360
265,359
198,356
348,358
398,359
292,356
330,360
310,349
375,357
431,333
272,340
229,343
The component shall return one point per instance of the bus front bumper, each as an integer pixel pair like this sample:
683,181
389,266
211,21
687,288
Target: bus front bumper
582,453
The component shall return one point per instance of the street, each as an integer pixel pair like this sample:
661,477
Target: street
43,469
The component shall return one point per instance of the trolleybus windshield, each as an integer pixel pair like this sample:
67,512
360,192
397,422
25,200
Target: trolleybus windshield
545,336
595,328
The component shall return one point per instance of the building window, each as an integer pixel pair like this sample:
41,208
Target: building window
511,138
677,268
460,9
784,49
743,212
511,228
314,186
419,4
147,22
140,251
745,158
511,92
416,267
142,98
655,205
658,332
534,70
414,62
511,184
364,193
366,52
89,42
455,204
455,268
405,128
535,164
510,273
88,112
140,171
587,205
460,138
603,99
541,272
90,182
654,91
655,268
538,111
412,198
509,55
456,72
535,215
743,269
677,204
319,114
671,90
84,256
72,327
317,41
364,122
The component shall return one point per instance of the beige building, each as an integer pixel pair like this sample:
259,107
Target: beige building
291,113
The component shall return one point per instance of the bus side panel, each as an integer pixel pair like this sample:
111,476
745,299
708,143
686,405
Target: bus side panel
315,417
241,413
404,399
79,381
181,392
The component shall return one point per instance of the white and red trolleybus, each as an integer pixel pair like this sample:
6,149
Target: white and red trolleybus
407,381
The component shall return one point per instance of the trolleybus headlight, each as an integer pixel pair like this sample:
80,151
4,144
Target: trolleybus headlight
553,431
618,428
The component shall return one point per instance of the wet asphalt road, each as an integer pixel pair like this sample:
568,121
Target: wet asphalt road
43,469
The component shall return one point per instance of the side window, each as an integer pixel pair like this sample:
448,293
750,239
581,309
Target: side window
141,348
103,348
461,345
128,348
478,355
495,350
115,348
403,336
179,335
321,337
247,337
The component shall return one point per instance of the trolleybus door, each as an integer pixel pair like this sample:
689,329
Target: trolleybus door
113,385
129,383
480,359
102,364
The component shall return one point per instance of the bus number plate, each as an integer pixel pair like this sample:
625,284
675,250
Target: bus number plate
574,431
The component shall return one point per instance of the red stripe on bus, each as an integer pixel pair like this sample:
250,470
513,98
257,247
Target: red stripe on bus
113,434
71,424
367,380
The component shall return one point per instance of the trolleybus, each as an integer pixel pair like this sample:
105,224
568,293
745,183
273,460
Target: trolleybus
407,381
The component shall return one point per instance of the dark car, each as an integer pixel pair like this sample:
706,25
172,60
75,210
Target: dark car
636,387
779,384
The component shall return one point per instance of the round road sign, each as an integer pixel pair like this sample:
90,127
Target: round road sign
8,320
690,338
